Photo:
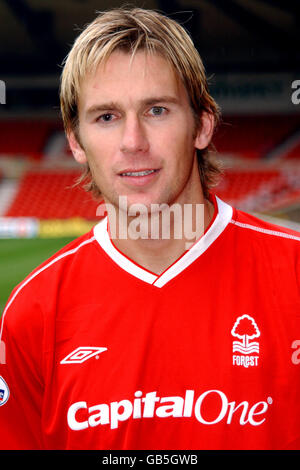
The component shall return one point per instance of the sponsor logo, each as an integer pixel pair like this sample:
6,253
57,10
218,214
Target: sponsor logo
82,354
246,329
4,391
209,408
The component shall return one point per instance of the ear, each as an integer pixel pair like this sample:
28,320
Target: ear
205,131
75,146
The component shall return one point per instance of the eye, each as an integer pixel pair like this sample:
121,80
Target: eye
157,110
107,117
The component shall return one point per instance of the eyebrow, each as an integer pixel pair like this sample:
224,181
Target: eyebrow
96,108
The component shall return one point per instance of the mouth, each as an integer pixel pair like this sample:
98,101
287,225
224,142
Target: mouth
139,178
138,173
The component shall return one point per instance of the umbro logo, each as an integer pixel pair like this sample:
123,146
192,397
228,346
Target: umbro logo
82,354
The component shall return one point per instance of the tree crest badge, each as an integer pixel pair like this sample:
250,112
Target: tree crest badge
246,329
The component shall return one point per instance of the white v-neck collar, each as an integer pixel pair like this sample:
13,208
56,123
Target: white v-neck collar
219,224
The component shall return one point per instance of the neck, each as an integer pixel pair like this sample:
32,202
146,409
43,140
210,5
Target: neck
155,240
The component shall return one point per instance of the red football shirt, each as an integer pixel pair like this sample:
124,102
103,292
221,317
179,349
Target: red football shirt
99,353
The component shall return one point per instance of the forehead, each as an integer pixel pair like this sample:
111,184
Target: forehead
125,76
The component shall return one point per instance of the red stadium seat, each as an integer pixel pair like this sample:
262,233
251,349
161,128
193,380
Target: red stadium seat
26,137
49,195
254,136
260,190
294,152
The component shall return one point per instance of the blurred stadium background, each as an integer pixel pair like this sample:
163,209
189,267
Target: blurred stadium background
251,53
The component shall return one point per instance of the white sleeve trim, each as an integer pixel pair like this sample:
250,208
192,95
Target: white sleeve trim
276,233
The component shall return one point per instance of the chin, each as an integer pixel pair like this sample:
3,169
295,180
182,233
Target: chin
143,200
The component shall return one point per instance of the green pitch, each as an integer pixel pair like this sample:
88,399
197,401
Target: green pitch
18,257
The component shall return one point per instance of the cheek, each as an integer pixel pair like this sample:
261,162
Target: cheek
99,155
182,149
96,141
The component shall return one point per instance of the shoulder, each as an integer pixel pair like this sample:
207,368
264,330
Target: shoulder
57,261
254,227
26,298
265,248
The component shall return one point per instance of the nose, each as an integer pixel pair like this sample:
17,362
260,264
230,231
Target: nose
134,139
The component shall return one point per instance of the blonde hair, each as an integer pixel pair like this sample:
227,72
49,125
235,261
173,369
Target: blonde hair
130,30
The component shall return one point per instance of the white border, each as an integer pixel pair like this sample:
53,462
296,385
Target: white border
218,226
103,238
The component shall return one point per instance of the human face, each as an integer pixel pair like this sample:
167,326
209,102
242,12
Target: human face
137,132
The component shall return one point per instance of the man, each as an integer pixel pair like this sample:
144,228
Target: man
122,341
